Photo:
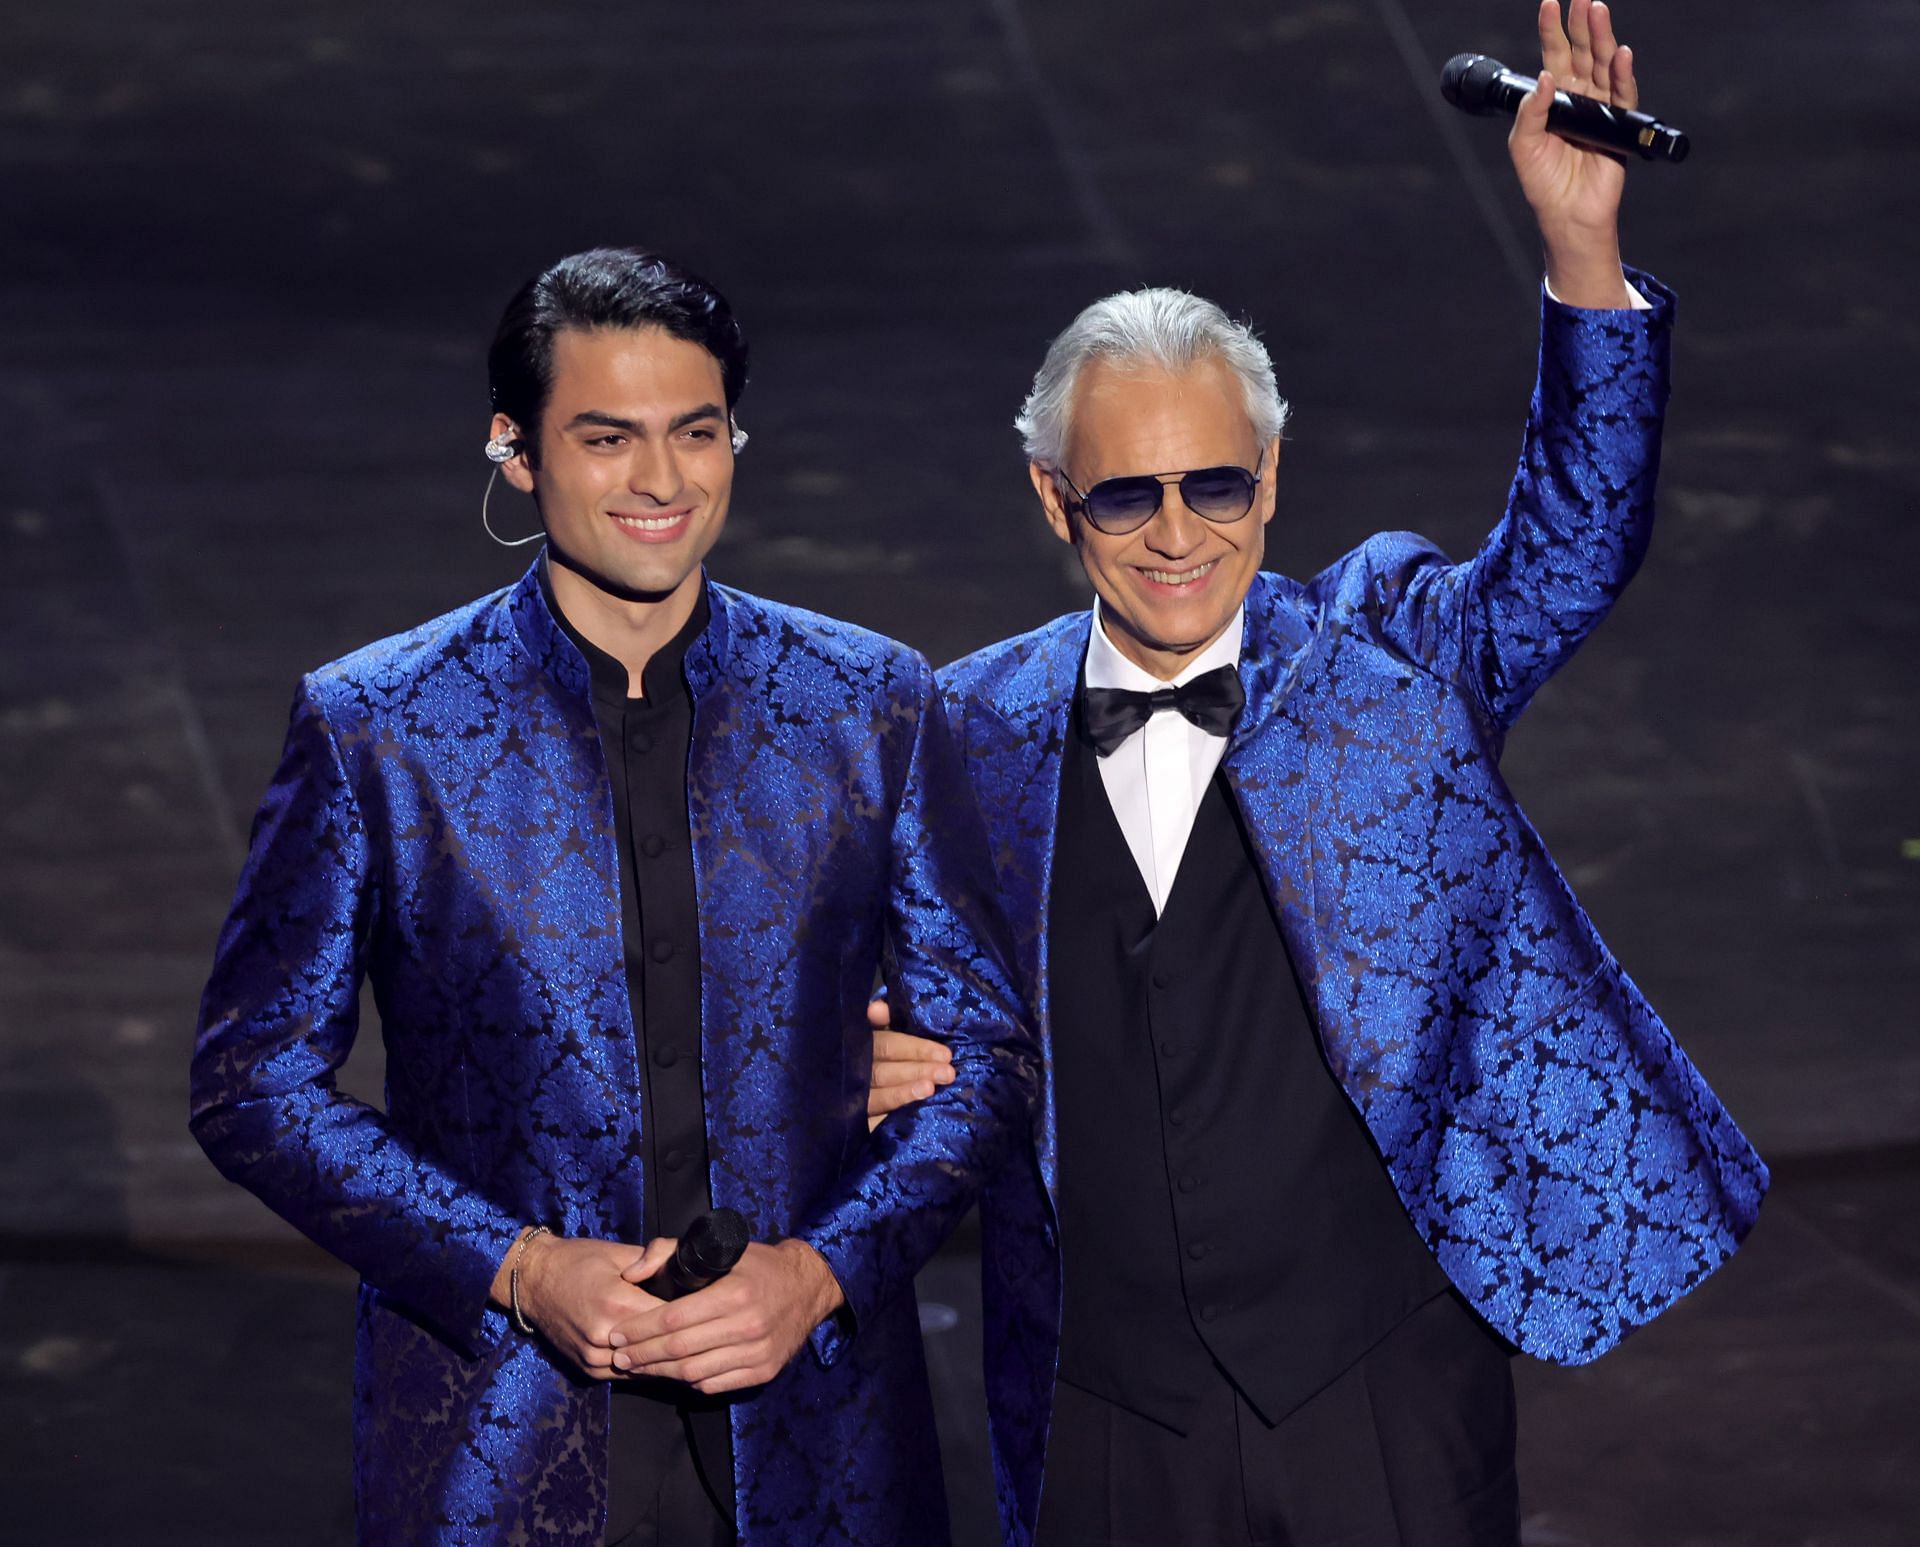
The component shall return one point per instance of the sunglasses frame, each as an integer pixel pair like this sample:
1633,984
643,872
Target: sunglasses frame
1162,480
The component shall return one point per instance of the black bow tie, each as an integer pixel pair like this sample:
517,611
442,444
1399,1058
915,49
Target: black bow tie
1211,701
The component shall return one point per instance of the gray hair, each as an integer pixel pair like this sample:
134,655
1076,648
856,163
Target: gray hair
1170,329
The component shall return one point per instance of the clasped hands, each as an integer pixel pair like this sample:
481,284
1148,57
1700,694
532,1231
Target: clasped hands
585,1298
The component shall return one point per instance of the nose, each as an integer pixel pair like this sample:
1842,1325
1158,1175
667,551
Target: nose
1175,531
654,472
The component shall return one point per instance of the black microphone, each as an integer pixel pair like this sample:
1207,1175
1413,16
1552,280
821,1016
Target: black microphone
706,1251
1479,85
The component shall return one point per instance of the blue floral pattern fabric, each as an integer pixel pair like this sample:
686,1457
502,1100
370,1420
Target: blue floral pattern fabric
441,826
1566,1164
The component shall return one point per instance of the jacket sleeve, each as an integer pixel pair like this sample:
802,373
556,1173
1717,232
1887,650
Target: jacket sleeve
950,976
1577,523
277,1021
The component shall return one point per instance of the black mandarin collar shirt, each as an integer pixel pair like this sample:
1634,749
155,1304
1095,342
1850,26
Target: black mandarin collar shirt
647,741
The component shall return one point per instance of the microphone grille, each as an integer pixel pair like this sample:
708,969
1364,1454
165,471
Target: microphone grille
1466,80
714,1242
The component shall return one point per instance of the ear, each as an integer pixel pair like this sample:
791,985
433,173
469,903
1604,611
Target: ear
519,469
1051,502
1267,495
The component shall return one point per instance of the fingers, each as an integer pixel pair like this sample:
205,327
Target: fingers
897,1093
718,1356
879,1015
897,1076
906,1069
726,1369
883,1100
1605,47
663,1318
1555,53
695,1353
1530,121
658,1253
719,1317
899,1046
1580,35
1625,89
596,1363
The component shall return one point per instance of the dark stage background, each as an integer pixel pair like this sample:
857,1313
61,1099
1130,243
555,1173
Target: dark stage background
252,254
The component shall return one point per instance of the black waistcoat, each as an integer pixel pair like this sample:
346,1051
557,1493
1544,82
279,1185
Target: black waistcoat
1222,1207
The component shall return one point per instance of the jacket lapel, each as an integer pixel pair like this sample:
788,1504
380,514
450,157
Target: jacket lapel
1015,746
1267,762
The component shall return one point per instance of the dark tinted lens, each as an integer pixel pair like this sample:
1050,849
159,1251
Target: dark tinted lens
1218,493
1123,502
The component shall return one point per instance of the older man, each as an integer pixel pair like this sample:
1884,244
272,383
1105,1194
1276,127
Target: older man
1344,1095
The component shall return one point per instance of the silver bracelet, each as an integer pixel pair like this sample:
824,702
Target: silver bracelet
513,1279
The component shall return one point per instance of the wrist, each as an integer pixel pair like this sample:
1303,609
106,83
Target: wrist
825,1293
514,1289
501,1292
1585,270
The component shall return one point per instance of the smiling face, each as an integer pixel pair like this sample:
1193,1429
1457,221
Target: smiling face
634,470
1170,588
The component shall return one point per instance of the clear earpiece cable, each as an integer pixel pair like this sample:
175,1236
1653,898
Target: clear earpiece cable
504,542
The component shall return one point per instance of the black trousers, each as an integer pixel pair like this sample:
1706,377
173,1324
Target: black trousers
658,1493
1413,1446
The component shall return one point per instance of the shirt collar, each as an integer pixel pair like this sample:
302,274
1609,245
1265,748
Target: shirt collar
1108,668
663,669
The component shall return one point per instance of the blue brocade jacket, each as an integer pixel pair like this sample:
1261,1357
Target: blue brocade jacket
1569,1169
441,826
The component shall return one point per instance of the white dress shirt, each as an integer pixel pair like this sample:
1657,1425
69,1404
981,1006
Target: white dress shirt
1156,778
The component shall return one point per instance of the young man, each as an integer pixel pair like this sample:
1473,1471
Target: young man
1281,921
620,851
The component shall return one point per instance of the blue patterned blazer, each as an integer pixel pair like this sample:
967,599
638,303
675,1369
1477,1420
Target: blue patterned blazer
1567,1166
441,826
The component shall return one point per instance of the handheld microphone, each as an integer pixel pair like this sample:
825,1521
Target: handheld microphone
708,1249
1482,86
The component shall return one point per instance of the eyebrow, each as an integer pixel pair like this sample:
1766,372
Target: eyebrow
593,416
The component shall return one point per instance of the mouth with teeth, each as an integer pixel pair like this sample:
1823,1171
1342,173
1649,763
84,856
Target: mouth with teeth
1177,582
661,528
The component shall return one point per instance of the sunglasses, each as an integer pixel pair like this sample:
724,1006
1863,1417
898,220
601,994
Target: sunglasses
1120,505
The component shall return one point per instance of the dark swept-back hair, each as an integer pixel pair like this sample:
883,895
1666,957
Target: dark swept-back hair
610,287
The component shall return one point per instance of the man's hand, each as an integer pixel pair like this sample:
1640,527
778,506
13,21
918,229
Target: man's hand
738,1332
906,1069
1575,192
576,1291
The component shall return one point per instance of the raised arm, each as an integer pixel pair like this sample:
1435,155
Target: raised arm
1580,512
277,1021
